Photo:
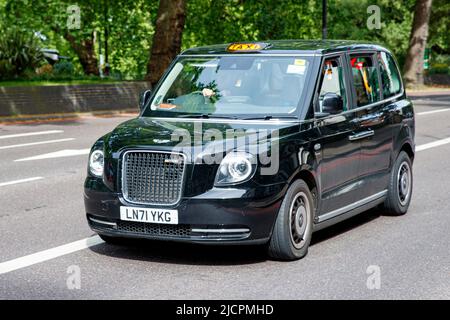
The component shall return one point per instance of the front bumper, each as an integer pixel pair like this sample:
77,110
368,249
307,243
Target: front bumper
221,216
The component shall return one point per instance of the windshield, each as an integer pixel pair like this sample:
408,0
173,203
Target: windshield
233,85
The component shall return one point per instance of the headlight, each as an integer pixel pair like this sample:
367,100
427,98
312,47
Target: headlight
236,167
96,163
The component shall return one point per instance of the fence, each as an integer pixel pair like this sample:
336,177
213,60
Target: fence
35,100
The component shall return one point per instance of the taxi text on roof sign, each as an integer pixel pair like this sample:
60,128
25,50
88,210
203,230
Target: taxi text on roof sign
246,46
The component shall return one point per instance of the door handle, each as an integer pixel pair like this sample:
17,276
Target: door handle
361,135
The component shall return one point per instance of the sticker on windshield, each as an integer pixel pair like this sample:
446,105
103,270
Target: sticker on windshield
295,69
299,62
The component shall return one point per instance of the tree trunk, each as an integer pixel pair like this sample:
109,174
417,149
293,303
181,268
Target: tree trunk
85,51
413,69
167,38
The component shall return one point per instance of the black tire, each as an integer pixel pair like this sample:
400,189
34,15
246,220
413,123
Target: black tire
400,186
113,240
292,234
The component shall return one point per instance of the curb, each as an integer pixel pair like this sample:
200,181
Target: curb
56,117
421,93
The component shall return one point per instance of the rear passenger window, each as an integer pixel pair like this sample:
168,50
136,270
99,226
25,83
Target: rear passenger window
365,79
390,78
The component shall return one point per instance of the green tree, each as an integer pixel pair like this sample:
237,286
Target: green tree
222,21
347,19
129,23
48,16
19,52
413,69
167,37
439,37
131,27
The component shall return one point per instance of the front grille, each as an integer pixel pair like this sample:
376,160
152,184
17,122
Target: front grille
153,229
150,177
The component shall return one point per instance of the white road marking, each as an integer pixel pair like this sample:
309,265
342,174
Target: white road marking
433,144
431,112
72,247
49,254
3,184
30,134
35,143
57,154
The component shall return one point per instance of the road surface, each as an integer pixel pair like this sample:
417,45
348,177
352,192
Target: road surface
43,232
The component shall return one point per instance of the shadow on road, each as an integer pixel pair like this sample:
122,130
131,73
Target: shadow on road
197,254
346,226
183,253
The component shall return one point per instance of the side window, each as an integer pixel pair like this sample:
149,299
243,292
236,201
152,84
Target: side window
365,79
390,79
332,81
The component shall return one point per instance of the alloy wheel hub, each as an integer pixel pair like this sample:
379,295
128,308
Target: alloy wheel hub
300,218
404,183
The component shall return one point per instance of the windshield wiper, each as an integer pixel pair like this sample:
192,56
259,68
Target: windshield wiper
271,117
208,116
212,116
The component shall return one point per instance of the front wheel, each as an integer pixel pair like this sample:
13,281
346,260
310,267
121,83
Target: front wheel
293,228
400,186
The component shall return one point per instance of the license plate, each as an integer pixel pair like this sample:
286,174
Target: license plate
149,215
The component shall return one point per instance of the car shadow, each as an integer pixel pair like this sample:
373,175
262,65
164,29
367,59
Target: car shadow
346,225
183,253
201,254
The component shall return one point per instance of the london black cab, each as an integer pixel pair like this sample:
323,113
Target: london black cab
260,143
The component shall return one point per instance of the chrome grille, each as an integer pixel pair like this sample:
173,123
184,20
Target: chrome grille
152,177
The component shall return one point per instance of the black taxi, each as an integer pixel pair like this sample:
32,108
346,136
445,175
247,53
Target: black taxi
257,143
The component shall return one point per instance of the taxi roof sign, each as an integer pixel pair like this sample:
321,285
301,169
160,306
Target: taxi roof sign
243,47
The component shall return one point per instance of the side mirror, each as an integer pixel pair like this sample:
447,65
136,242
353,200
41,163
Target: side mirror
332,103
143,98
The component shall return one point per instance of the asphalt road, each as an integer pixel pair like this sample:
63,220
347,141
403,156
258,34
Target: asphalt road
46,211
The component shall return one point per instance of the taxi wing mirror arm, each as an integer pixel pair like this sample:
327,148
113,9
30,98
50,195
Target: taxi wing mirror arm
144,97
318,114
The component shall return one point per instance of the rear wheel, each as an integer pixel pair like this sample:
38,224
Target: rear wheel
400,186
293,228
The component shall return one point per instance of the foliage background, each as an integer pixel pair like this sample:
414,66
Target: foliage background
131,25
